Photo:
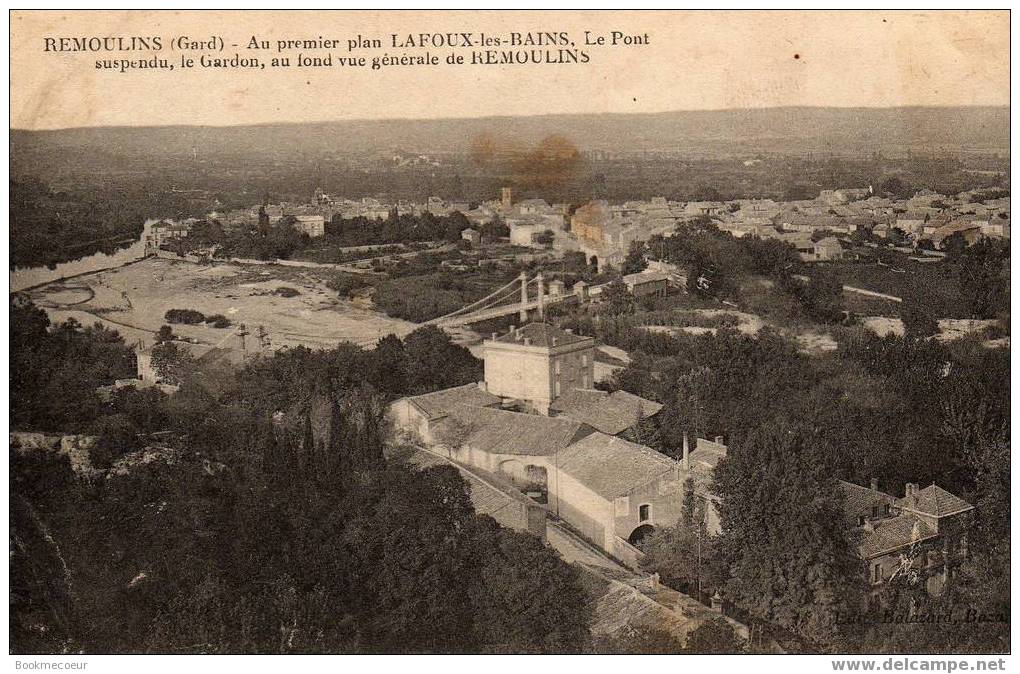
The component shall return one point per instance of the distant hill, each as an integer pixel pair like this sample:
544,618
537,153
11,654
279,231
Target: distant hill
832,130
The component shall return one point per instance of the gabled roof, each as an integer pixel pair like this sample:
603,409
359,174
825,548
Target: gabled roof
934,501
708,453
439,403
504,432
612,467
858,500
829,241
892,533
610,413
541,334
645,277
576,399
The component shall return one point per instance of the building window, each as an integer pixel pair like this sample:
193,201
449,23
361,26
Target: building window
876,574
584,360
874,511
644,513
557,367
860,520
557,389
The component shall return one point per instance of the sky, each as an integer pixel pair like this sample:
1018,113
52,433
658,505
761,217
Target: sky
693,61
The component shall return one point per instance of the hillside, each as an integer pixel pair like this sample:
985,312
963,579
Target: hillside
788,130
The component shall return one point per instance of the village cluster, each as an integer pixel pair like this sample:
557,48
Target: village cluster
820,229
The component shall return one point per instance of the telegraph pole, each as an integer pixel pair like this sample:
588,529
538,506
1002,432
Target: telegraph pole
242,332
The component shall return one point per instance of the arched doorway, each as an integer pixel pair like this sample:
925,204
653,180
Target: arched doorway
513,469
639,534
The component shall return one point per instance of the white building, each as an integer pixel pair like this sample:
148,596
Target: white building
312,225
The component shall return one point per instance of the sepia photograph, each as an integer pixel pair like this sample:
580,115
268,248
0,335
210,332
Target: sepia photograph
531,332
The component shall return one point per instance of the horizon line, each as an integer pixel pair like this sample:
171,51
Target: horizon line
1005,106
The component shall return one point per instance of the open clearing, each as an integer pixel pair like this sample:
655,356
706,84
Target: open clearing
135,298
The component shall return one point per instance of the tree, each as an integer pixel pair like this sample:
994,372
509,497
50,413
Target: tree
918,320
616,299
530,601
545,237
495,228
685,555
117,435
894,186
635,261
821,297
785,538
713,637
389,366
982,278
171,362
427,346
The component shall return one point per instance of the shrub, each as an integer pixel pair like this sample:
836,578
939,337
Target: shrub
218,321
185,316
345,285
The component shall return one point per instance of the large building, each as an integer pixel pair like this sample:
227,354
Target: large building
536,423
538,363
923,534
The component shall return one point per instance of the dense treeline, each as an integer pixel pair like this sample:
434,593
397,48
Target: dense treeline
406,228
763,276
55,372
49,226
248,534
193,557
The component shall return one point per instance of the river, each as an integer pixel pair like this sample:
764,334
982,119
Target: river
33,276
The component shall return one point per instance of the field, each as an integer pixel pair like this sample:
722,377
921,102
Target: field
935,284
134,299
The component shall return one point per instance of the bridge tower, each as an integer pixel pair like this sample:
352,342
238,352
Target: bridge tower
541,296
524,297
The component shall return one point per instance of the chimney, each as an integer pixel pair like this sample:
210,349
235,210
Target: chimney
719,439
874,484
495,335
482,386
686,463
910,489
527,341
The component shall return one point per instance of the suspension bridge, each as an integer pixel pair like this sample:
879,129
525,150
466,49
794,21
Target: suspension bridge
523,296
